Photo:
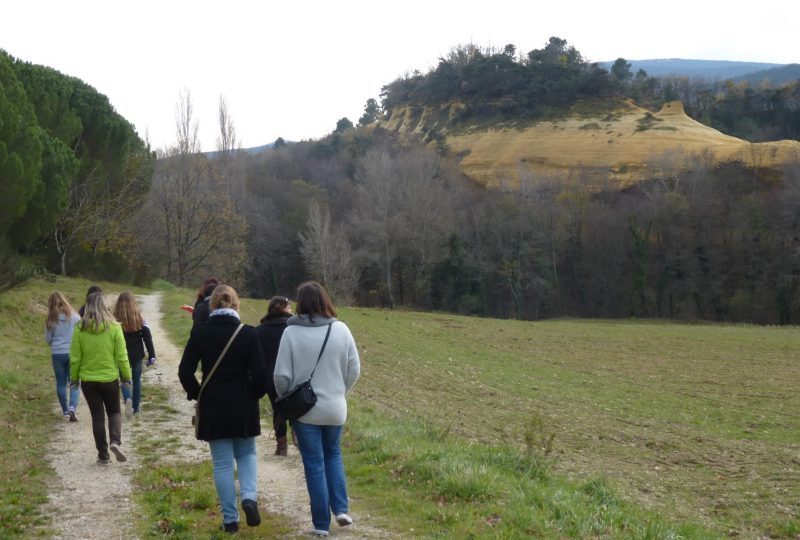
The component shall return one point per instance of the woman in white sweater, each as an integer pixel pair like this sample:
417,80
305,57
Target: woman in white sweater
319,431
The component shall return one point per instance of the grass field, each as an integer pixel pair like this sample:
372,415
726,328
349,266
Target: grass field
478,428
699,423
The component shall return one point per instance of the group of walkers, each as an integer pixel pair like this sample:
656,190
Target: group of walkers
99,352
240,364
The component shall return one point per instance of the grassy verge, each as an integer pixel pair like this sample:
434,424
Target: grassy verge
28,402
177,497
429,483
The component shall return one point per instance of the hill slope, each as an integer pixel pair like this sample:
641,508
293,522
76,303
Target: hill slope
625,143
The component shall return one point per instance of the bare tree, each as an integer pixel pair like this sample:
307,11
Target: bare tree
200,233
226,141
327,255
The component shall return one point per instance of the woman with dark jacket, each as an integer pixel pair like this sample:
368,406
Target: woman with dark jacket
269,335
202,307
227,409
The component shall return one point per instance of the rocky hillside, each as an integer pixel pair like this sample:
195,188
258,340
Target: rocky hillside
625,143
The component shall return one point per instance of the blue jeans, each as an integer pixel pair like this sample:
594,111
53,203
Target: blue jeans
136,372
322,461
61,370
223,454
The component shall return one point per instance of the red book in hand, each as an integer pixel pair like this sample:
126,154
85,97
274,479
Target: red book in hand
187,307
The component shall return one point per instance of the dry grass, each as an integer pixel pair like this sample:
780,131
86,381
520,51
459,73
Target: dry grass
497,156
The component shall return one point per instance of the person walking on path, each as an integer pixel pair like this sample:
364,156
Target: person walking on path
202,306
315,344
59,325
234,379
137,337
269,335
92,289
98,359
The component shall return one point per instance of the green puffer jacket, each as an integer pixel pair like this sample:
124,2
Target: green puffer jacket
99,357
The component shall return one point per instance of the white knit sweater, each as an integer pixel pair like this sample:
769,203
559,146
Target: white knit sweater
336,373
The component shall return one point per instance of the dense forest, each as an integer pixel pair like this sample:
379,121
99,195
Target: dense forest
388,221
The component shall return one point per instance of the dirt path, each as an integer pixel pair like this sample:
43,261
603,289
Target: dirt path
102,493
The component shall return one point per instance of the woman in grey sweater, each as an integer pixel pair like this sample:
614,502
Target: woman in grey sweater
319,431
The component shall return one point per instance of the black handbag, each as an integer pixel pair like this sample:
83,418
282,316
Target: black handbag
300,399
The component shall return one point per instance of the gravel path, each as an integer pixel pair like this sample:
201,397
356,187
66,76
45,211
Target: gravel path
90,501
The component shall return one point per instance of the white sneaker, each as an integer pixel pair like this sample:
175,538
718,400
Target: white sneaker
117,451
343,520
318,532
128,408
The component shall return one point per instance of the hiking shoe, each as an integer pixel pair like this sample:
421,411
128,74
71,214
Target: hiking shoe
230,528
103,461
65,415
128,408
71,414
318,532
250,508
118,452
343,520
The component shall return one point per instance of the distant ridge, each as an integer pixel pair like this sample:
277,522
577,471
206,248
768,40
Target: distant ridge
777,75
696,69
254,150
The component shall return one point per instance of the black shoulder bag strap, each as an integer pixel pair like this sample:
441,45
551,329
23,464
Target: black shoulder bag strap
208,378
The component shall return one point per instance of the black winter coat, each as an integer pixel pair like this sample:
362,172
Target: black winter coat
202,310
269,335
135,342
229,404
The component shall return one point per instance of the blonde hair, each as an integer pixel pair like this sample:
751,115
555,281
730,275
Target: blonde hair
127,312
57,304
96,315
224,297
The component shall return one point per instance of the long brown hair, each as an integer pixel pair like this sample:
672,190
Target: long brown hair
313,299
96,315
57,304
127,313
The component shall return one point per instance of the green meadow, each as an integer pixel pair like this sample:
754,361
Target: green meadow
476,428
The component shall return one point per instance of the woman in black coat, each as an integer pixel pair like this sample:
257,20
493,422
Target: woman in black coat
227,410
269,335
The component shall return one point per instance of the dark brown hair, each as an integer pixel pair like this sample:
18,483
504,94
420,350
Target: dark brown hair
277,304
207,288
313,299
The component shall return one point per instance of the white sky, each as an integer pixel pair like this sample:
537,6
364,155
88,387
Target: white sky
292,68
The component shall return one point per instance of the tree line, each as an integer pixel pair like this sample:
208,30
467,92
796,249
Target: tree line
385,222
71,170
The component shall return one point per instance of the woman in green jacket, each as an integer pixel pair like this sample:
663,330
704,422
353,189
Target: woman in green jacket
98,358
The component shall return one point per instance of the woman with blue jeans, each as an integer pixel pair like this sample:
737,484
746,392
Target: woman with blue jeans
227,401
312,331
59,326
137,337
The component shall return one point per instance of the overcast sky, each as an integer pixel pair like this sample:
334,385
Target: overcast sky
293,68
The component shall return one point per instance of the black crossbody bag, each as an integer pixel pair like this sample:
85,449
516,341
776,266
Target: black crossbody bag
301,398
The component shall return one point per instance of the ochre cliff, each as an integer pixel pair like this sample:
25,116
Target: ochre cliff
626,145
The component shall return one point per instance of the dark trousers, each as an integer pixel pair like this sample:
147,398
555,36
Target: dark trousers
278,423
103,399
